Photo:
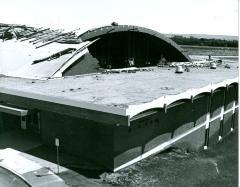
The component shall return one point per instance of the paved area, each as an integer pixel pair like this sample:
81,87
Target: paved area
21,170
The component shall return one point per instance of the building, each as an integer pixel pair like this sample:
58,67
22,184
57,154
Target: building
115,119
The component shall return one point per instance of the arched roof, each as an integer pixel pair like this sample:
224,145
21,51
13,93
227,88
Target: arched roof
102,31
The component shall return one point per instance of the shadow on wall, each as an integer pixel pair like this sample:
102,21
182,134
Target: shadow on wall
148,132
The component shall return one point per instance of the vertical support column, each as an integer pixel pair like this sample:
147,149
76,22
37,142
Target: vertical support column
222,113
108,52
207,131
221,123
233,115
128,45
233,111
39,122
23,122
1,123
133,41
208,121
148,49
165,108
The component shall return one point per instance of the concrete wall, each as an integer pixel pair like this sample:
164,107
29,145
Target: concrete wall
9,122
150,131
110,145
84,138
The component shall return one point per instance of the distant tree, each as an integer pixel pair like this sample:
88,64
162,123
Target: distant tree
204,41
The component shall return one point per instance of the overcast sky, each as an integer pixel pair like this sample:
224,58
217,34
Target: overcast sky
218,17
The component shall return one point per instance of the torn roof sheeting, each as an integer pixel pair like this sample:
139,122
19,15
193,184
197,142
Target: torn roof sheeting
17,58
38,52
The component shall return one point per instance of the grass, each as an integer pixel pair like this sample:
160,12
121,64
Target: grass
217,166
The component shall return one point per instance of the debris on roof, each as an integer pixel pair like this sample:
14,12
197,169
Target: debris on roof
55,55
36,35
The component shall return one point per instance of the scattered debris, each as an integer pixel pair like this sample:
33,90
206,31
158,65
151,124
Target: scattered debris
179,69
213,65
36,35
187,69
200,63
55,55
146,69
166,88
72,90
126,70
227,66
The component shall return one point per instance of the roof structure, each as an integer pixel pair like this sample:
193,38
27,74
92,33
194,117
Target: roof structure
43,53
172,48
41,63
124,94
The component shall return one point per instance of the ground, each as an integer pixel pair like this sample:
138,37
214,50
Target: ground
217,166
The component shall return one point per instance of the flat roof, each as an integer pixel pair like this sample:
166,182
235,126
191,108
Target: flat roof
120,90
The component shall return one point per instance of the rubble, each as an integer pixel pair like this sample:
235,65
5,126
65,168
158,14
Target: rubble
36,35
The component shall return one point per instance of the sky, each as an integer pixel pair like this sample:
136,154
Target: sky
217,17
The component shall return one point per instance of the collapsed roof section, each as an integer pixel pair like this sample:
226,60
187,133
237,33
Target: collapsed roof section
21,59
41,36
122,46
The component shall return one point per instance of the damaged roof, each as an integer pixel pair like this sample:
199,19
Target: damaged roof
21,59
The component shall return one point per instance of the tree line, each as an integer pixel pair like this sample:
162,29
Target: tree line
181,40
